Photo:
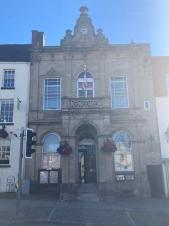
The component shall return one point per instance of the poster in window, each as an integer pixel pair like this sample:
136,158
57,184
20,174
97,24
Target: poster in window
44,177
53,177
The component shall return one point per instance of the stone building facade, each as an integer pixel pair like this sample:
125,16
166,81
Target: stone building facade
88,92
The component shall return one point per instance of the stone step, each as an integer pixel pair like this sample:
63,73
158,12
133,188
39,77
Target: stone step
92,197
87,188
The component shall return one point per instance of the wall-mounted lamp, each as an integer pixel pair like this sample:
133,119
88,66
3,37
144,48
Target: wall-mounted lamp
18,103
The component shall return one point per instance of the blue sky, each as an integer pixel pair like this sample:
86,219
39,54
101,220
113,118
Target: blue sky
142,21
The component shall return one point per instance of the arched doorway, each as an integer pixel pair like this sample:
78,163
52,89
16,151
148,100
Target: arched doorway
87,140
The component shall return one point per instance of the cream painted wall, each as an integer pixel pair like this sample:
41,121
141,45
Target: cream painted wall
21,91
162,105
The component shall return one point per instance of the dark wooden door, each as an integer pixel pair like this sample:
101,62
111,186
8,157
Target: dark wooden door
90,164
155,176
87,163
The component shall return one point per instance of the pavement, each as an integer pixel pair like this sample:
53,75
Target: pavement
37,210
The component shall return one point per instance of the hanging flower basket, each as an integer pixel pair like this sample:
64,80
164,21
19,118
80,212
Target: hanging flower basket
64,148
3,133
109,146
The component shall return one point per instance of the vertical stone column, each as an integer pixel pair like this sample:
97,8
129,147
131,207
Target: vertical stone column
67,83
105,169
68,166
105,163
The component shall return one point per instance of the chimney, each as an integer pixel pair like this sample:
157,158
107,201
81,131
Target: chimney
38,38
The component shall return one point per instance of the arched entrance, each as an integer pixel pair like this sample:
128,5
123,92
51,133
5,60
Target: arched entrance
86,142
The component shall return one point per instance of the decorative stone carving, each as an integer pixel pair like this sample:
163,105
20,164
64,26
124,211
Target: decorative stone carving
84,33
85,103
101,37
52,72
35,57
68,38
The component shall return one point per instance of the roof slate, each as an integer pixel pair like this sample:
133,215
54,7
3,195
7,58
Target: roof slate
15,53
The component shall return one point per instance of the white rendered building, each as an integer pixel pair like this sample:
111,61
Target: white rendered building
14,94
160,67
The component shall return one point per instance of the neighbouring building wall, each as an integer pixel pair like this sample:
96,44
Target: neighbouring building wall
162,105
160,69
16,91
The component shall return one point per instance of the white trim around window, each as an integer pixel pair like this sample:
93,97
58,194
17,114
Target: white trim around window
85,85
52,94
4,151
9,79
6,110
119,92
123,157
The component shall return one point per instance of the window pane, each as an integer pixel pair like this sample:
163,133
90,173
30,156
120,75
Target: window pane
6,110
4,151
51,143
119,92
9,77
89,93
123,161
52,94
81,93
85,85
51,159
123,158
90,85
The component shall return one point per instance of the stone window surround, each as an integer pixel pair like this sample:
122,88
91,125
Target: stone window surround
127,93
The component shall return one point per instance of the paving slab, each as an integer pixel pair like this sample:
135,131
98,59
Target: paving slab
120,212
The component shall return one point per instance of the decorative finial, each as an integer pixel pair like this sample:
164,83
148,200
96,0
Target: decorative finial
83,10
84,67
100,30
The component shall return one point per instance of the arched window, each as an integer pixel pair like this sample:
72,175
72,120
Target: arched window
123,158
85,85
50,158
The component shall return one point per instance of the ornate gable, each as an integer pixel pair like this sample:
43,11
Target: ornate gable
84,33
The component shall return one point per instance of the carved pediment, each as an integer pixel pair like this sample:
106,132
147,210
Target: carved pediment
52,72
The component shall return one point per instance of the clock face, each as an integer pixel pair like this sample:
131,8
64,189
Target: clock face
83,30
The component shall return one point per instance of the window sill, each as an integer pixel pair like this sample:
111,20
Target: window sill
7,87
52,110
6,123
5,166
119,108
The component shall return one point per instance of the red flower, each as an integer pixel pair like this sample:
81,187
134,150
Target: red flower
109,146
64,148
3,133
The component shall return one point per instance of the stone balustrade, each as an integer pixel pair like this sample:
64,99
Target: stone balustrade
85,103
